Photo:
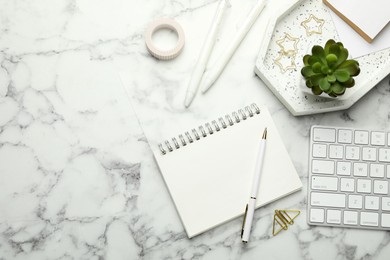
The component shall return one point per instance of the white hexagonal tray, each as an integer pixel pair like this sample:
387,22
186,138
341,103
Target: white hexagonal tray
291,35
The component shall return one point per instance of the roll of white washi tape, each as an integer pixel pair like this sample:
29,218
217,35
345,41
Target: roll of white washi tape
164,23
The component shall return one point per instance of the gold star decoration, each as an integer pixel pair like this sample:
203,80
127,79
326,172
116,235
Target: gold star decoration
313,25
288,44
289,48
285,62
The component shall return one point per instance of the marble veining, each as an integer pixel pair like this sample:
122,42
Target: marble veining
77,177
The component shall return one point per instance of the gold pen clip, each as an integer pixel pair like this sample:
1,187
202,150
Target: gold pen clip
243,222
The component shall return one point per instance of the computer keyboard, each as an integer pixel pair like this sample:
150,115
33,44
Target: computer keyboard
349,175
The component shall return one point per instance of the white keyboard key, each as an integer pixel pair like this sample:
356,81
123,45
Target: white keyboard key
324,167
349,178
360,169
343,168
388,171
385,220
371,202
324,183
355,201
350,217
369,219
386,203
347,184
384,155
328,200
336,151
317,215
377,170
363,186
369,154
377,138
344,136
361,137
381,187
333,216
324,135
352,152
319,150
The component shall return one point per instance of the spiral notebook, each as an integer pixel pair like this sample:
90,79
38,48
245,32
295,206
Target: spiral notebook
206,154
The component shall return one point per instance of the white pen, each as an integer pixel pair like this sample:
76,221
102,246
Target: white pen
205,54
216,70
250,207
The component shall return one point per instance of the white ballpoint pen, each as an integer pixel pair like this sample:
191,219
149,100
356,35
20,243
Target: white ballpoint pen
205,54
212,75
250,207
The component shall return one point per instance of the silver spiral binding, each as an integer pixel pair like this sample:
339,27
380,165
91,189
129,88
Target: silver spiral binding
162,149
195,134
216,126
236,117
202,131
228,118
168,145
183,141
242,113
209,128
189,137
250,113
175,143
222,122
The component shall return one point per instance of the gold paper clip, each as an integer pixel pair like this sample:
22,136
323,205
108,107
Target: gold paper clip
282,218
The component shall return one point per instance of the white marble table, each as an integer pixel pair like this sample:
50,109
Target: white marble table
77,178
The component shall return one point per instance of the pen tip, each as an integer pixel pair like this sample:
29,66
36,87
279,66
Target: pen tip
206,86
187,102
264,134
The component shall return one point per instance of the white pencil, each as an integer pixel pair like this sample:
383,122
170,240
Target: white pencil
220,64
205,54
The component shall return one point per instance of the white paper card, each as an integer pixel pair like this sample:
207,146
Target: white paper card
355,44
370,16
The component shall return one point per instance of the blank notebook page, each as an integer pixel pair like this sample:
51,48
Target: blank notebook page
368,16
210,179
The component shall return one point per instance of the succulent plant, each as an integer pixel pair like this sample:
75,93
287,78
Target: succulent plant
328,70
